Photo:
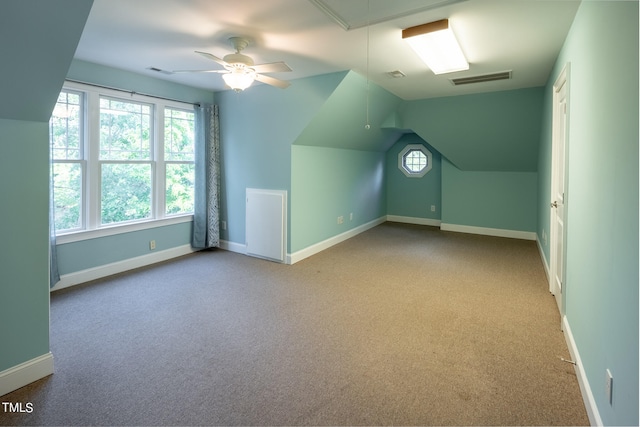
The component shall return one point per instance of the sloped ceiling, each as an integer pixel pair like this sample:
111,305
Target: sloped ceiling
38,39
497,131
341,122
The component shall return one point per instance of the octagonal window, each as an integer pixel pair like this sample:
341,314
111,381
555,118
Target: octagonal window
414,160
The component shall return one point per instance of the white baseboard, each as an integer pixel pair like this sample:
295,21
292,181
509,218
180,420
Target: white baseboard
89,274
25,373
497,232
585,388
233,247
414,220
325,244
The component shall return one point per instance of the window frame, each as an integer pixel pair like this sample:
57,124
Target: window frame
91,191
80,161
406,150
162,168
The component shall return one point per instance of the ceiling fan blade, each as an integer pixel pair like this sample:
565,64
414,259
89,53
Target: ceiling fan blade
212,57
272,81
273,67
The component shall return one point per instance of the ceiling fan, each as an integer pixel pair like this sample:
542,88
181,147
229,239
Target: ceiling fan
239,69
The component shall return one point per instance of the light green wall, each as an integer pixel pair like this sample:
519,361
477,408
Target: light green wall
91,253
601,289
503,200
328,183
497,131
24,293
413,197
120,79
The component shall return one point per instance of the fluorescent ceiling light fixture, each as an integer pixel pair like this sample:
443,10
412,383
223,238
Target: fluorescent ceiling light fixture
437,46
239,79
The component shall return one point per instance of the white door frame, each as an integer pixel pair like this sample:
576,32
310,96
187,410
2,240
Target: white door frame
558,202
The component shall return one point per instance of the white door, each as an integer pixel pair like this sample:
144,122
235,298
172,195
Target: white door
558,188
266,224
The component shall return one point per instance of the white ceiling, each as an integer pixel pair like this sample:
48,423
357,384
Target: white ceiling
310,36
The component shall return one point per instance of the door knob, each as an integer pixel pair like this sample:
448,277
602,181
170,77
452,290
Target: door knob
554,204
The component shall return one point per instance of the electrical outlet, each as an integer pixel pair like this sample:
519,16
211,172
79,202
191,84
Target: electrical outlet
223,225
433,208
609,387
152,244
340,219
351,216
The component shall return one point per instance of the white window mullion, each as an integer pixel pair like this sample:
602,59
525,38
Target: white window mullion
93,163
159,195
84,212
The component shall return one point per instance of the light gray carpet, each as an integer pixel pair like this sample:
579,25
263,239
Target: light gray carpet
401,325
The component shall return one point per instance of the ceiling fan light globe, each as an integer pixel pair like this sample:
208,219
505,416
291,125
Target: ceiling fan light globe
239,81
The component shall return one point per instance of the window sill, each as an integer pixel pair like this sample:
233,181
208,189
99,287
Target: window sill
77,236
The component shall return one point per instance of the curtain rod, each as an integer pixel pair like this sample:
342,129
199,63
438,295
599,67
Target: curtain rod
132,92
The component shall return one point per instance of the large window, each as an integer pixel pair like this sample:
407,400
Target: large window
120,161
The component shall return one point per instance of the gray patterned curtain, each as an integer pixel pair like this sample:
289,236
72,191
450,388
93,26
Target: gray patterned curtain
54,275
206,230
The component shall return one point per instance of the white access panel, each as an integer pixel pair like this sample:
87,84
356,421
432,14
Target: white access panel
266,224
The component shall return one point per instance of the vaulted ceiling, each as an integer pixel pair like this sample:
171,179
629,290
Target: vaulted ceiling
321,36
37,42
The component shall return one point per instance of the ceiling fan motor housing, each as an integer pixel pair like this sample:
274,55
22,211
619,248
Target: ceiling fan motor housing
238,59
